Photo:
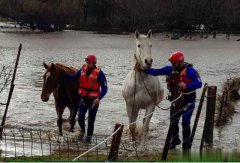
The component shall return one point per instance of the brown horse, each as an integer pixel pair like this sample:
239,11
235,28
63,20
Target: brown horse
65,92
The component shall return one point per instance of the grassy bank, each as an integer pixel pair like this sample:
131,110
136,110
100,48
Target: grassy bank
210,156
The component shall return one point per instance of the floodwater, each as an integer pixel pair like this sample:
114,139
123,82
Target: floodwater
215,59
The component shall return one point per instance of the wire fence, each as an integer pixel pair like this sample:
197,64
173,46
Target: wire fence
51,146
27,142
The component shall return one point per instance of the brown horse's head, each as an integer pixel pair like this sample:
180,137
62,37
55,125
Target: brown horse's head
50,79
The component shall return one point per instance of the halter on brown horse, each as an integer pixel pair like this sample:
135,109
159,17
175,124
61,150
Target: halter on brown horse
65,92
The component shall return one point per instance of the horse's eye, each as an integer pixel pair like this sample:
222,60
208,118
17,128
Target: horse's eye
139,45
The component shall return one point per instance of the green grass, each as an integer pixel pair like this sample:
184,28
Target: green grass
55,157
209,156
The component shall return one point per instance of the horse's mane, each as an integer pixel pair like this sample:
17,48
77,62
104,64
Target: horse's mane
67,69
73,86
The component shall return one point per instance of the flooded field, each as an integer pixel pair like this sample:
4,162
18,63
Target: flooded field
215,59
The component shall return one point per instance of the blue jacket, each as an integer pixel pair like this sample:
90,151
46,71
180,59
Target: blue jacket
191,73
101,80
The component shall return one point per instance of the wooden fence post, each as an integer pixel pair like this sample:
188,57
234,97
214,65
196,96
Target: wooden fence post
11,90
113,154
170,129
221,107
167,143
207,135
198,114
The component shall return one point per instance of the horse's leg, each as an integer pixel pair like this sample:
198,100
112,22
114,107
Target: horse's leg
132,115
146,120
60,119
73,113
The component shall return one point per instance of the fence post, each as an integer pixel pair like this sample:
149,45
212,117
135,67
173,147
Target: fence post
207,135
167,143
198,114
113,154
11,90
211,105
221,107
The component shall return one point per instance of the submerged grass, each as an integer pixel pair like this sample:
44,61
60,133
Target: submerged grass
226,102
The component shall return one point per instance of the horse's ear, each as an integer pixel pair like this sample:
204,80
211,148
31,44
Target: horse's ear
52,66
137,34
45,65
149,34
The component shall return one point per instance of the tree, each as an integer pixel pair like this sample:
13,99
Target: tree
5,77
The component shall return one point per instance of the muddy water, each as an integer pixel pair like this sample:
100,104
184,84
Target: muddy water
215,59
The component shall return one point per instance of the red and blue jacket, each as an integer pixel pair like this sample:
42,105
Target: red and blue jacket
187,75
101,80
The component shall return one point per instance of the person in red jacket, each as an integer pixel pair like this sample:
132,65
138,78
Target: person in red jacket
92,88
183,78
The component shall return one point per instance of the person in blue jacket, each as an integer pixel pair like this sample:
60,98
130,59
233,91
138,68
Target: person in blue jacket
181,78
92,88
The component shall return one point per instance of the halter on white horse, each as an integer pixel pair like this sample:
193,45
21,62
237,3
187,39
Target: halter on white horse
140,90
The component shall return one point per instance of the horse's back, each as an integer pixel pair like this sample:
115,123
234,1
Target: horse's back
142,91
67,95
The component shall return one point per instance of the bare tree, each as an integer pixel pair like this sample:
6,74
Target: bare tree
182,15
5,78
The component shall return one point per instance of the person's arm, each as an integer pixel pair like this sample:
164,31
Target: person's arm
162,71
196,80
74,76
103,83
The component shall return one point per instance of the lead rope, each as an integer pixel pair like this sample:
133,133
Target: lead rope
152,97
147,88
68,92
181,94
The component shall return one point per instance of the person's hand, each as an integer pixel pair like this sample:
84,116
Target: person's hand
96,101
138,67
182,86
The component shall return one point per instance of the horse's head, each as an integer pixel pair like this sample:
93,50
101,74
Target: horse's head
143,55
50,79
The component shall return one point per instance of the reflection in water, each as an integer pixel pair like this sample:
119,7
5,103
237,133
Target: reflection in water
38,82
114,54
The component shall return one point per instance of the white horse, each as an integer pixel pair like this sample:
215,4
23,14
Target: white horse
140,90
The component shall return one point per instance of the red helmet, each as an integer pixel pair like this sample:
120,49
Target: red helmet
176,57
91,58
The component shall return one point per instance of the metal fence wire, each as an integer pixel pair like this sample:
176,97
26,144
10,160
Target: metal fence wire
17,141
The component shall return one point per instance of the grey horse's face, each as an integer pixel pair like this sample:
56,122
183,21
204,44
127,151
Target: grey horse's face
143,49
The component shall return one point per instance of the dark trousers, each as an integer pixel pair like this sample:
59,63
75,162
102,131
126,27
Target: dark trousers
84,106
186,113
